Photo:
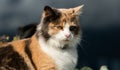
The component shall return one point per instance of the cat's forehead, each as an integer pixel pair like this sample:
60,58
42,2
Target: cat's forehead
63,10
67,12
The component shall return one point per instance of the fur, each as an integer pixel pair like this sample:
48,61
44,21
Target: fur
27,31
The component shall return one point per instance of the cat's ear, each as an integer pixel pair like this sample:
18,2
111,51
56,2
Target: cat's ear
51,14
78,10
48,11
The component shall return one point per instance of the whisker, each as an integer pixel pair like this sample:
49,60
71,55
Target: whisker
84,40
83,49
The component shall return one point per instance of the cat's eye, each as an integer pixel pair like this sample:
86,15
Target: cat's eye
59,27
73,28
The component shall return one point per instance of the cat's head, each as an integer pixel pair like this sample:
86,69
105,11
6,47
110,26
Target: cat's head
60,25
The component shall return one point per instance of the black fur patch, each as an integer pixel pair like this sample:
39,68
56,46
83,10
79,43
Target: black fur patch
27,30
28,52
44,30
11,60
51,14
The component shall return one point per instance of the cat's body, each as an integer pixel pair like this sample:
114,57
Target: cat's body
52,47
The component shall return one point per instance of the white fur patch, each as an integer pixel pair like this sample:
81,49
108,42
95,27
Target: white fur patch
65,59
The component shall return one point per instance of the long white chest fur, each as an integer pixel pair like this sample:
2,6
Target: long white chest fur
65,59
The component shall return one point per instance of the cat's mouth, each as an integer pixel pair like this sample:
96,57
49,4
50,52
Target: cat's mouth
67,40
65,46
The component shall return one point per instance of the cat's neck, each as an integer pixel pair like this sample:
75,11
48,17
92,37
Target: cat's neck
65,56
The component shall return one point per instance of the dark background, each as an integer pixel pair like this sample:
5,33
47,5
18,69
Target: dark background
100,24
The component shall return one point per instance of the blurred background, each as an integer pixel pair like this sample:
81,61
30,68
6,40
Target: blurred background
100,24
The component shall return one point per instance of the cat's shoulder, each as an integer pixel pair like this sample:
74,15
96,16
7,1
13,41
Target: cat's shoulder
11,55
14,45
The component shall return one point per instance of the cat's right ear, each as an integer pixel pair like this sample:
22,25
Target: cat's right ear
51,14
48,11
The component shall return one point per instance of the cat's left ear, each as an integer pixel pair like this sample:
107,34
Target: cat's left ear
78,10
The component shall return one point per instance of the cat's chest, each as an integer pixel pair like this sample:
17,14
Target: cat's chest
65,59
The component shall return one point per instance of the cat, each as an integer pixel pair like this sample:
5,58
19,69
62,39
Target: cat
52,47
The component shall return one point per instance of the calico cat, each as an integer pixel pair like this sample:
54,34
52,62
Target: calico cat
52,47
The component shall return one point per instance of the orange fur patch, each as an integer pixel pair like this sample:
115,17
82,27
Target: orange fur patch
41,59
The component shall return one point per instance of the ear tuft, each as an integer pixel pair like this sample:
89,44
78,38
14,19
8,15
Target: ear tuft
78,10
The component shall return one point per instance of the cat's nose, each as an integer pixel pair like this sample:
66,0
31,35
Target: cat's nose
67,35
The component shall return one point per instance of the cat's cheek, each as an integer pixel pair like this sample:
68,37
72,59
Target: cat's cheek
60,35
52,32
72,36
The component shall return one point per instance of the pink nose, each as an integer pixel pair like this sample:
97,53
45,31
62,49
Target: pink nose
68,35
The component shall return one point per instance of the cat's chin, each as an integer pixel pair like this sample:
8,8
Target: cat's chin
67,40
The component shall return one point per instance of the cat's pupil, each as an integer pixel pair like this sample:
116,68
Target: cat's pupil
73,28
